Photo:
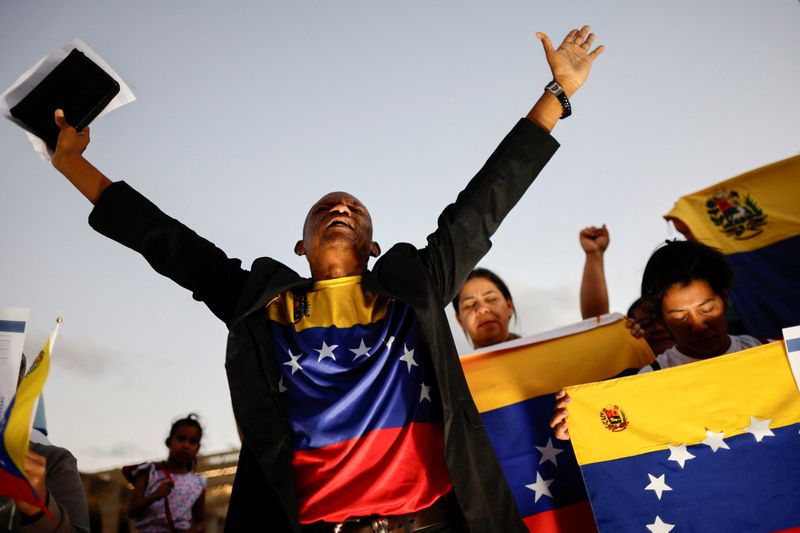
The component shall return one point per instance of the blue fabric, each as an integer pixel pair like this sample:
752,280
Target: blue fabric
331,401
748,474
766,292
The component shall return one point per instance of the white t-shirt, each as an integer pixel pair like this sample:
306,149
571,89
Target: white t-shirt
674,357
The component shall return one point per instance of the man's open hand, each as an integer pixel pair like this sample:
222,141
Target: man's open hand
571,62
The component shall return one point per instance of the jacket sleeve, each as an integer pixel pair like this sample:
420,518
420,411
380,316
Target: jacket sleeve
465,227
66,499
172,249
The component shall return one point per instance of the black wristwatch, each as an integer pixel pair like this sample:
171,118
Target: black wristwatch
558,92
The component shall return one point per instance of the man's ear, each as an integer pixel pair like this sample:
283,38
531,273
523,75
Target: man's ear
300,248
374,249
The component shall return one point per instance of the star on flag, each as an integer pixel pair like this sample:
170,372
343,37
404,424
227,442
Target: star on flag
679,454
408,357
549,452
658,485
361,351
425,394
659,526
759,428
292,363
715,441
326,351
541,487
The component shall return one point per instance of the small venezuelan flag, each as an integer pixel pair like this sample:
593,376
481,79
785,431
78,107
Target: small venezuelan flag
513,385
712,446
753,218
15,429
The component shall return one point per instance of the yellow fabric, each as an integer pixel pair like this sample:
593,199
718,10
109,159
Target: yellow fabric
17,433
676,405
773,190
339,302
508,376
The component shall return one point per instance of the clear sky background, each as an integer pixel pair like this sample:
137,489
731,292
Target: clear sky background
249,111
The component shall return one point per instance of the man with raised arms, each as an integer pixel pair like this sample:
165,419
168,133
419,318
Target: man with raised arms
347,388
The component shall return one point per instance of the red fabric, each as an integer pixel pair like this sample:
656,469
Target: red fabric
20,489
386,472
576,518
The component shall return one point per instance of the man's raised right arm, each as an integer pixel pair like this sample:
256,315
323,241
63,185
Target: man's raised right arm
68,159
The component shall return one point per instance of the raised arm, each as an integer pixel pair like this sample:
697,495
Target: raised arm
465,227
68,159
570,64
594,293
171,248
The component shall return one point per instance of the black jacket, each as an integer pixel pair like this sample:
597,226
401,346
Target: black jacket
426,279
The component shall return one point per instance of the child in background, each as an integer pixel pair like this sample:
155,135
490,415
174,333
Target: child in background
168,496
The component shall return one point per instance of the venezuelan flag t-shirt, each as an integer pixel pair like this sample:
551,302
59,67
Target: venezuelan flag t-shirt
362,401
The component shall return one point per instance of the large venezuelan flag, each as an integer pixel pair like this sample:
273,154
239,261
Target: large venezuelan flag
362,403
513,386
754,218
15,430
711,446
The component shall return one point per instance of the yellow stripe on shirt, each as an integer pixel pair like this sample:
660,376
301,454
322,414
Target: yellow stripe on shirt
341,302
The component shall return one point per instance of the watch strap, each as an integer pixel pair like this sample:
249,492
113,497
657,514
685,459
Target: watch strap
556,90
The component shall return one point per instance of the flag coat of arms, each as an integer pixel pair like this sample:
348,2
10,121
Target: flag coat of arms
711,446
513,385
754,219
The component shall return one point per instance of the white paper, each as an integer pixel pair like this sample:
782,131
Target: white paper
28,80
12,339
791,339
564,331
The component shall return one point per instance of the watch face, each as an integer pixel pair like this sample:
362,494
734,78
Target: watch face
554,88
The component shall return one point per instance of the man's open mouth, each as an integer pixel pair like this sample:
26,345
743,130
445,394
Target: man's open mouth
339,223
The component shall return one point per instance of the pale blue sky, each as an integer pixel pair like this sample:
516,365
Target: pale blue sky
247,112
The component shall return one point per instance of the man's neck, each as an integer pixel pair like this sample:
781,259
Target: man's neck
336,270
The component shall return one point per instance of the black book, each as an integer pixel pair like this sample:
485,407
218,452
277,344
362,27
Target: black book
78,86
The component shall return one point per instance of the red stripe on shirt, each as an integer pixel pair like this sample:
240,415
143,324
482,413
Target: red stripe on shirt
385,472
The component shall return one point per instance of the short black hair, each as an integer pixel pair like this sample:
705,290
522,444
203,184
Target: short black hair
189,420
487,274
680,263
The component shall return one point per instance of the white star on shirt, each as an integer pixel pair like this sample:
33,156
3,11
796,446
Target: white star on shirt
549,452
281,386
326,351
389,343
540,487
361,351
657,485
660,526
425,394
679,454
715,440
293,363
759,428
408,357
